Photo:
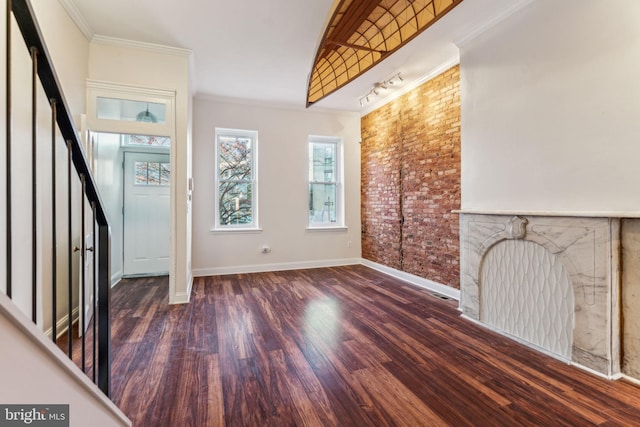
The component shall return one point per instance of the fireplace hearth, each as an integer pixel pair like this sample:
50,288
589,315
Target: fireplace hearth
549,281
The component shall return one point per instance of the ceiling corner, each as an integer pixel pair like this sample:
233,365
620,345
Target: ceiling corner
430,74
492,22
76,16
149,47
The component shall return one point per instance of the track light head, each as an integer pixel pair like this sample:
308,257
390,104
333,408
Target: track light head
395,80
380,86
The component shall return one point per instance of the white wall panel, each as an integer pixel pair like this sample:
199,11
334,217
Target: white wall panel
283,188
550,107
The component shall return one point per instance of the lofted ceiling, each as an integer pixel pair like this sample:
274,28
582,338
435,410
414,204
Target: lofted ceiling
361,34
263,51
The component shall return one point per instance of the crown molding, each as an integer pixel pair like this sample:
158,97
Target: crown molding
129,89
76,16
487,25
246,102
149,47
434,72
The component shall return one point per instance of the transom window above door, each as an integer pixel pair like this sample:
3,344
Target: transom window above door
146,141
130,110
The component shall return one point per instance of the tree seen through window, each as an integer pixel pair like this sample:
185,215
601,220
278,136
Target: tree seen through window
235,186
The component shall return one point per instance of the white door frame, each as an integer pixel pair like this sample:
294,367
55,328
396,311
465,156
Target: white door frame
97,89
87,312
133,268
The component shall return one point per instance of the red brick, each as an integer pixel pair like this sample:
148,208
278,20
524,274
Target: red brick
411,169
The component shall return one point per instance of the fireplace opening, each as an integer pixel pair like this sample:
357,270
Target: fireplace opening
526,292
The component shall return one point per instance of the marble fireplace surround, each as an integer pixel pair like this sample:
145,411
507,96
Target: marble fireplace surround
587,247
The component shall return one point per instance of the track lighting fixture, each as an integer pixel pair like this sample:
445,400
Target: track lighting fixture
394,81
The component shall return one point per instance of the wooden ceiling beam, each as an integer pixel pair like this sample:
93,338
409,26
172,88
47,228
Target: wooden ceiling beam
355,14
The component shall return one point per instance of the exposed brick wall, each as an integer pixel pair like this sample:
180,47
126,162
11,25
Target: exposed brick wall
380,186
411,168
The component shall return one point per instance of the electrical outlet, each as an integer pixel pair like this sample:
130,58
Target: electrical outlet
349,243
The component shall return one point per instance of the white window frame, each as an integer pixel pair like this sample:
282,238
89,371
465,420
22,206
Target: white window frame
339,224
249,134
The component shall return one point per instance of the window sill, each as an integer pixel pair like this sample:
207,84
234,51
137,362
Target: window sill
236,230
329,228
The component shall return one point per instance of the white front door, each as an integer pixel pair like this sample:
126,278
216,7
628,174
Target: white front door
146,214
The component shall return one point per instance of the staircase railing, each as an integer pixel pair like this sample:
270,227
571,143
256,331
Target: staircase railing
91,351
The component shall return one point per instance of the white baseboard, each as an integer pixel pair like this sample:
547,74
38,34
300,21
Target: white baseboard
524,342
596,373
183,297
550,354
633,380
415,280
263,268
62,324
115,278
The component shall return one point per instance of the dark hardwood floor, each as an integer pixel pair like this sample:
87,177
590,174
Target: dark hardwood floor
344,346
76,347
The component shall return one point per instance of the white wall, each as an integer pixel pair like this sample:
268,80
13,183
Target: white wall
157,67
108,174
551,108
34,371
69,52
282,187
3,156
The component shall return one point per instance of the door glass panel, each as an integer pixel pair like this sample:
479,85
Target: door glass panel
152,173
141,173
165,173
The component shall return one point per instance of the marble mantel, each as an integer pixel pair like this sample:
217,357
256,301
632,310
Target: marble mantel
587,247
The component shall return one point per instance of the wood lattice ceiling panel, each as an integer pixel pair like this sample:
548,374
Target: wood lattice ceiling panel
361,33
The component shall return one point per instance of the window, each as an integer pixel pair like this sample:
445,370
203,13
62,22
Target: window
325,189
147,140
152,173
236,186
129,110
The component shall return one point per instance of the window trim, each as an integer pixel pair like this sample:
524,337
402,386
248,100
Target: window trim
253,135
339,173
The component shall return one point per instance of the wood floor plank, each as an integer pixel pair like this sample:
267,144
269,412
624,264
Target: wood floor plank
398,401
340,346
305,410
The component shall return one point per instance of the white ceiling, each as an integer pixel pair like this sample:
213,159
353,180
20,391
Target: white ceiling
262,51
